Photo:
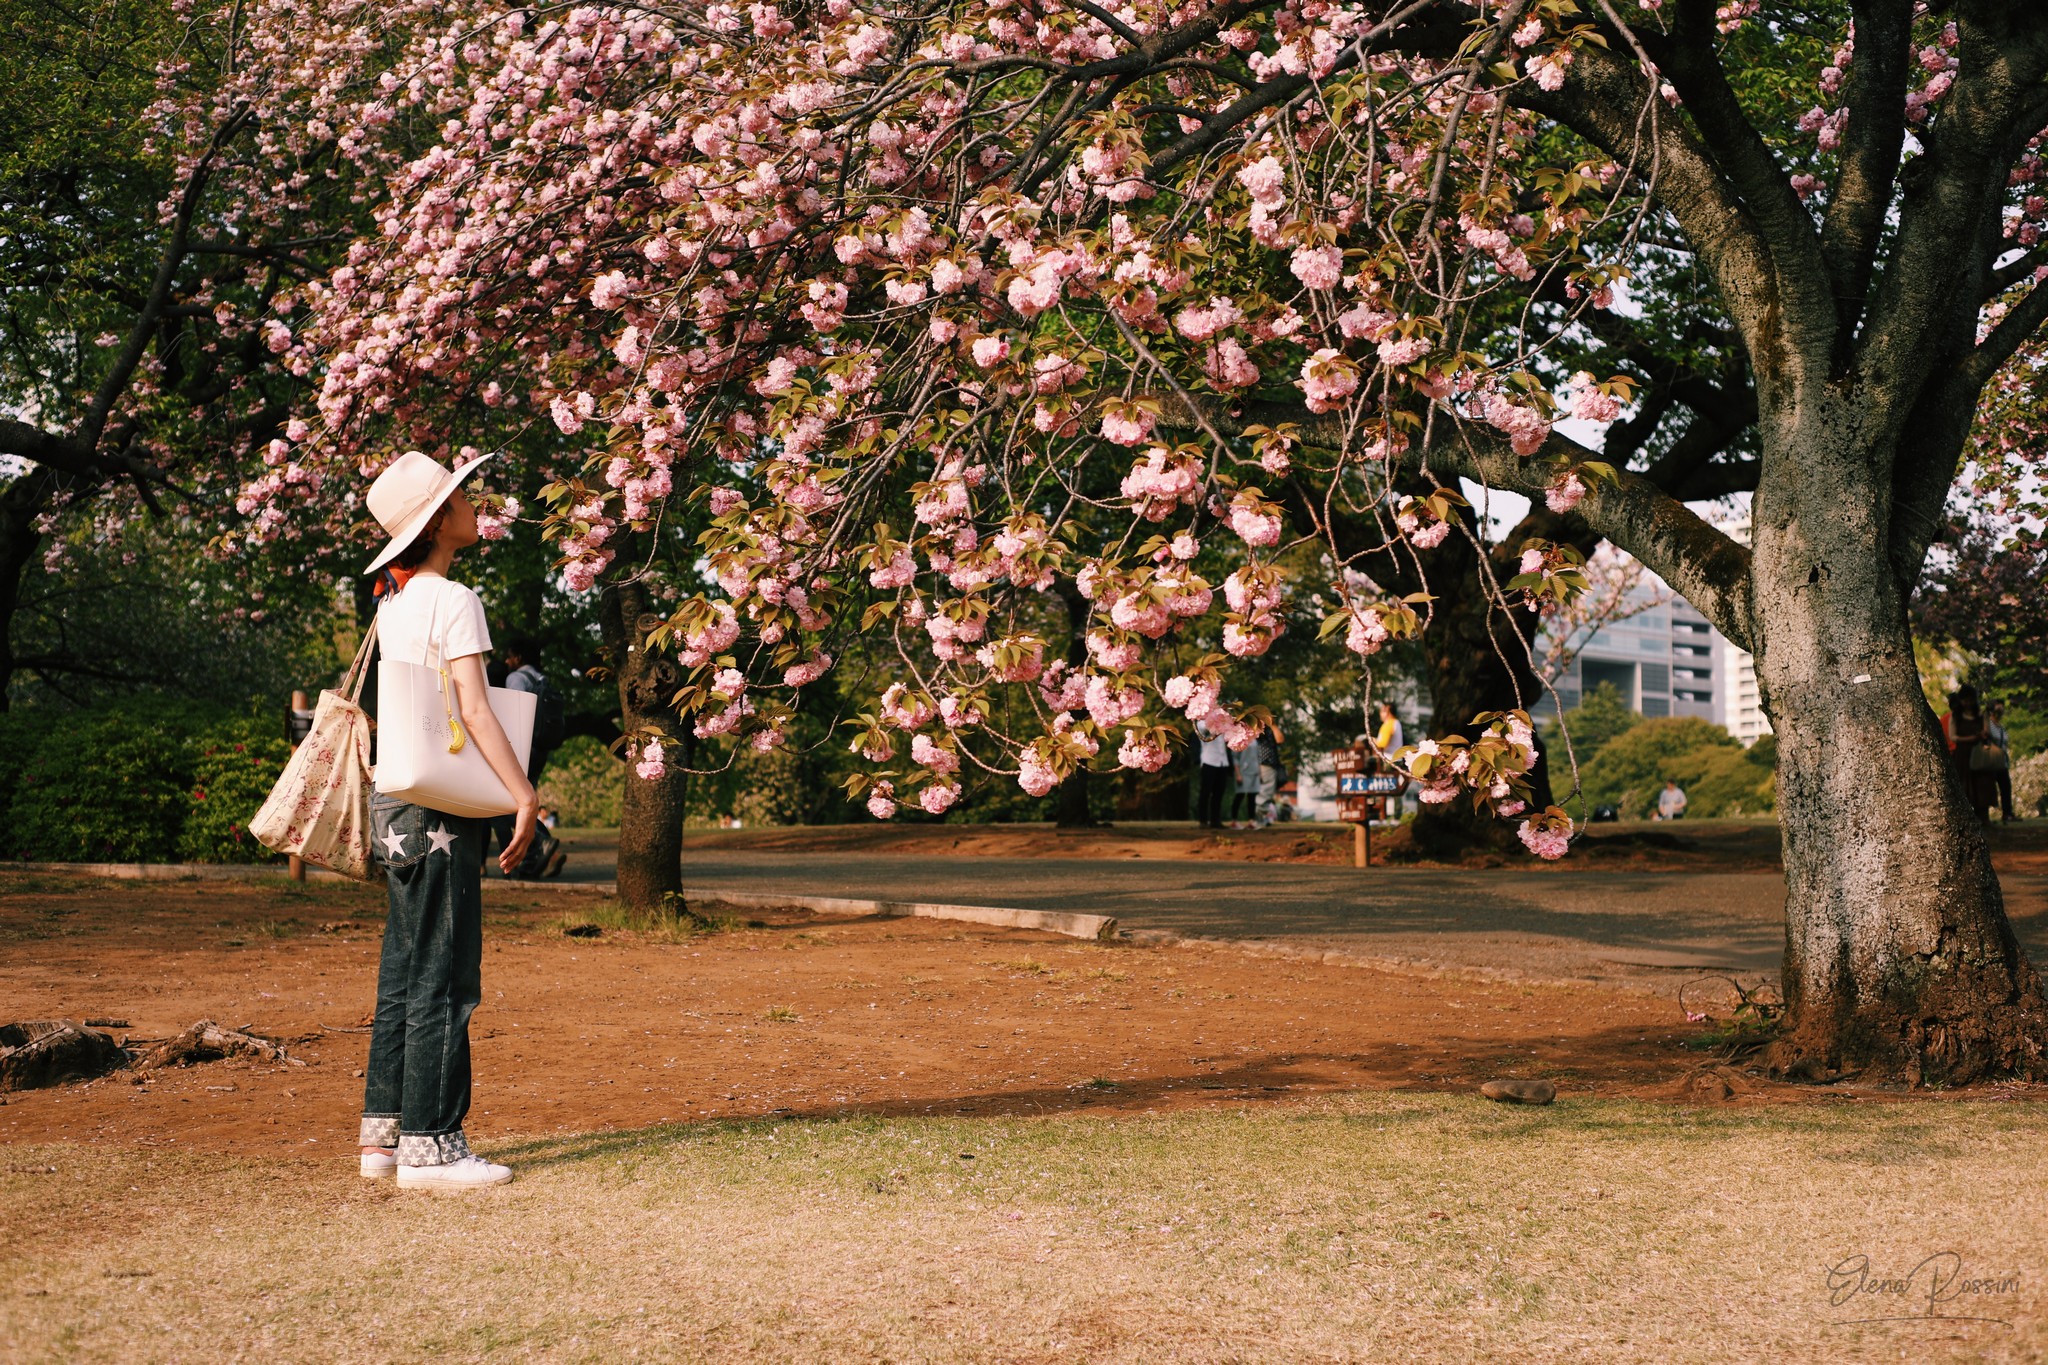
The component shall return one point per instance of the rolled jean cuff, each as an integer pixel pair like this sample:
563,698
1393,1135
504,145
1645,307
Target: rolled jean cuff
432,1149
378,1130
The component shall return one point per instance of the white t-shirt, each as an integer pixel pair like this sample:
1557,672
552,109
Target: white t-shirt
1215,753
426,603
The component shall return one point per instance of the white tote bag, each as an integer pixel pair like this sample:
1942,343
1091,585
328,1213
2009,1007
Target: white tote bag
424,752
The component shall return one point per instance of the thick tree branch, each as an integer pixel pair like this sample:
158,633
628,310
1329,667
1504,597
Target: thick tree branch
115,383
2020,322
1607,100
1862,193
25,441
1956,187
1689,57
2004,277
1703,564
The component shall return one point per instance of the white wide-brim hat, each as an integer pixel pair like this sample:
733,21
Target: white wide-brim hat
407,494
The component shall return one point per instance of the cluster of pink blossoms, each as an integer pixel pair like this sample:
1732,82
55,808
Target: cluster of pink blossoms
723,247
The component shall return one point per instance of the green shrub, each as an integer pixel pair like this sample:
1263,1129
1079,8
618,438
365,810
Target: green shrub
22,731
107,785
1718,776
584,783
237,763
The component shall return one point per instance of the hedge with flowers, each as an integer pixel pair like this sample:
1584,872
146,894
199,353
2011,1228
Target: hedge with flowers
143,779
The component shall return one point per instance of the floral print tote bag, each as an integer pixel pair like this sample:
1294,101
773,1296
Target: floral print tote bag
320,808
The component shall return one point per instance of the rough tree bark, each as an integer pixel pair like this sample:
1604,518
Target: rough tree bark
1071,797
24,499
650,873
1898,952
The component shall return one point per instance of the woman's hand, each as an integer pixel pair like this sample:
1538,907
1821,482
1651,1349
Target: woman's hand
525,823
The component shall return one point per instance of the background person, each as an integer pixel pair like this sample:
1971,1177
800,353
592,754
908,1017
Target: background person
1390,736
1271,773
416,1088
1244,805
1671,802
1215,776
1999,770
522,674
1964,726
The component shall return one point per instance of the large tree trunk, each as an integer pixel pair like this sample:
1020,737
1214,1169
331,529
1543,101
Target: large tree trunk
1070,800
1898,954
21,503
651,820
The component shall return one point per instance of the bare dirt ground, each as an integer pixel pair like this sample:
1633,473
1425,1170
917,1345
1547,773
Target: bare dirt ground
786,1014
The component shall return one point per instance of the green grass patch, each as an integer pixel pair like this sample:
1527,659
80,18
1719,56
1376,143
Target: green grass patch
676,924
1399,1227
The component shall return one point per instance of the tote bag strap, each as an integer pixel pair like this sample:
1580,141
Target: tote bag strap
352,681
438,661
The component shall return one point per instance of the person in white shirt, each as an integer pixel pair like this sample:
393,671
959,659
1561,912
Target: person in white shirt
1215,776
1670,802
416,1088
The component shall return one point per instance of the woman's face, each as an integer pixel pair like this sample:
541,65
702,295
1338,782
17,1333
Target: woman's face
458,528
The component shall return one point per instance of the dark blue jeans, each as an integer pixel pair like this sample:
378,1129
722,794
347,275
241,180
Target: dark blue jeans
416,1088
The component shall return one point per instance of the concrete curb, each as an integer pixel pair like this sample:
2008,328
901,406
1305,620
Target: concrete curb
1070,923
1425,968
175,872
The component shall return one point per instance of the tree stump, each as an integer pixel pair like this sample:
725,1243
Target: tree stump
41,1052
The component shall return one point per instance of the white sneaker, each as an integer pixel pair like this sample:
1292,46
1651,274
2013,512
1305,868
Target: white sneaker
470,1173
379,1165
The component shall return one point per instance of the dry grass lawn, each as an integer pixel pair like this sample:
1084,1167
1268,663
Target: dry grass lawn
1392,1226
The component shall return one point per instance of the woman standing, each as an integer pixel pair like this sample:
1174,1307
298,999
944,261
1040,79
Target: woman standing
1964,725
1244,806
416,1091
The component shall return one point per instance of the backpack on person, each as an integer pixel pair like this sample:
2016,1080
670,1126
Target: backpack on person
550,713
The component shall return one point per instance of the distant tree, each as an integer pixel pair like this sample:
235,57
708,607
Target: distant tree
1600,716
1986,596
1718,776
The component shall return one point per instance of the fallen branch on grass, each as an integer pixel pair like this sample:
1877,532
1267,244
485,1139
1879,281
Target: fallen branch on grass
207,1041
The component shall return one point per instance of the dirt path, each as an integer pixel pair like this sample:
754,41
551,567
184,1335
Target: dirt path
788,1015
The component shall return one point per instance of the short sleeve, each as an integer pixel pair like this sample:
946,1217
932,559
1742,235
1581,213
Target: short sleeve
468,632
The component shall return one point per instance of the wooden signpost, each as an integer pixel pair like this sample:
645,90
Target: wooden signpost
1365,787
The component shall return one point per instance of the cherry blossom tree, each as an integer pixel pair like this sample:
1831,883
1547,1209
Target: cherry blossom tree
172,177
905,315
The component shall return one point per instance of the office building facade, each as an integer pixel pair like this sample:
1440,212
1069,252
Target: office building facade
1662,660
